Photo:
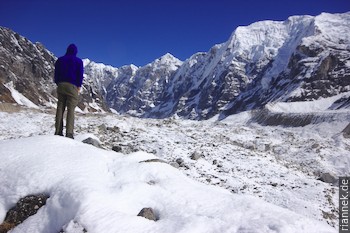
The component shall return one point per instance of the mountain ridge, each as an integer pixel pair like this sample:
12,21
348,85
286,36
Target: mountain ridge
303,58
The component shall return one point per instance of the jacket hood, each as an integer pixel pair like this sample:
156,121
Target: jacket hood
72,50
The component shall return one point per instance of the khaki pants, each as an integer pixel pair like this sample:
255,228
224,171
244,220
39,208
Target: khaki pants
67,98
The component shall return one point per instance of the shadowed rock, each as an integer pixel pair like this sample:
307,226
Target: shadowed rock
24,208
148,213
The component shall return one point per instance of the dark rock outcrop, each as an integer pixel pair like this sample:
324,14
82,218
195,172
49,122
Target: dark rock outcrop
28,68
346,131
24,208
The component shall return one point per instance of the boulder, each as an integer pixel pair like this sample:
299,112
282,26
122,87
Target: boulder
148,213
328,178
93,142
24,208
73,227
153,161
195,155
174,164
346,131
180,162
117,148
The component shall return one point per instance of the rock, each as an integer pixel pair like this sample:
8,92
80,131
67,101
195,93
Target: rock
174,164
29,68
114,129
130,148
102,128
117,148
93,142
73,226
148,213
267,147
346,131
5,227
327,178
195,155
180,161
24,208
153,161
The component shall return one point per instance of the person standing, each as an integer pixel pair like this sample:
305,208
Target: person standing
69,72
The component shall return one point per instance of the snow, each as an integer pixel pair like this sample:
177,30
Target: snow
331,30
104,191
334,24
260,50
170,61
285,44
18,97
252,178
320,105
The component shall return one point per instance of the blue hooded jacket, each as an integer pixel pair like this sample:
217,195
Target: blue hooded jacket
69,68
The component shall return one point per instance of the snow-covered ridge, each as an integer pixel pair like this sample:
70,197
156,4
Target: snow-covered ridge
167,60
303,58
268,58
332,28
137,91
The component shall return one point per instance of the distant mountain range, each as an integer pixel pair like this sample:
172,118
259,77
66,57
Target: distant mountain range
304,58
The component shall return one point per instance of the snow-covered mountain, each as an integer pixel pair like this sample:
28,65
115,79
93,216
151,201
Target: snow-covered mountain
301,59
97,77
313,63
137,90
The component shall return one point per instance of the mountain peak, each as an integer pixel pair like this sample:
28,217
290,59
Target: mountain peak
289,60
167,59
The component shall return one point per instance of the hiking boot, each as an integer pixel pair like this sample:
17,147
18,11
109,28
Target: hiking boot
69,135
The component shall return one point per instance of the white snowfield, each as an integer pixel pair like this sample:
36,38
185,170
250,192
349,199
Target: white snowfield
103,192
321,105
252,178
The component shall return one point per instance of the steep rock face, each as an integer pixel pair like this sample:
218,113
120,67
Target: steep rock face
96,78
137,90
25,67
27,71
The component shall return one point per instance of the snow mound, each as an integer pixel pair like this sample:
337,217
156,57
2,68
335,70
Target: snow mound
103,191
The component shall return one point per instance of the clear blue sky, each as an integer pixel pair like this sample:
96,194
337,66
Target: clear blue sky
137,32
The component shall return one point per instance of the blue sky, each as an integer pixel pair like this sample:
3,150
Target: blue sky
123,32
